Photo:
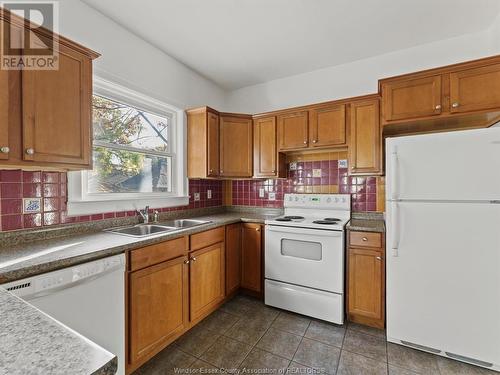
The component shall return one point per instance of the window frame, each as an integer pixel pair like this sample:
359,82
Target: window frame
81,202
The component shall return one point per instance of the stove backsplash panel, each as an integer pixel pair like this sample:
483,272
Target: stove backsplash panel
312,173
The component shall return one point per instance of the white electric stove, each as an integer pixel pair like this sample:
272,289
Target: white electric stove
304,256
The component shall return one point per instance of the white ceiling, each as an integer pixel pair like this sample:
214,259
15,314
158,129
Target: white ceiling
238,43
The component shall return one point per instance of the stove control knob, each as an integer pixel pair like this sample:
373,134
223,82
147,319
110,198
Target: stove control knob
328,200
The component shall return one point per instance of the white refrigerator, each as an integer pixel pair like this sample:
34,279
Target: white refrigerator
443,244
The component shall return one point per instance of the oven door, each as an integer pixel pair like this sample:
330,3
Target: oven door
307,257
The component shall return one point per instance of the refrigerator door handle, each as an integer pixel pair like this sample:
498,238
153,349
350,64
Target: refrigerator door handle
395,229
394,176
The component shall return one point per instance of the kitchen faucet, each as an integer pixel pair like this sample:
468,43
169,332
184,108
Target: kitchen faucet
144,214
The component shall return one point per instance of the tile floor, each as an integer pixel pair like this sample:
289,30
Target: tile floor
246,334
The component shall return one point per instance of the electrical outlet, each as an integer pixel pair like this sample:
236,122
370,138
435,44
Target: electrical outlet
196,196
293,166
209,194
272,196
343,163
316,172
261,193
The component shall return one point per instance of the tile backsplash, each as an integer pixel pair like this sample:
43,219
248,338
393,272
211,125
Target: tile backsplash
50,188
312,173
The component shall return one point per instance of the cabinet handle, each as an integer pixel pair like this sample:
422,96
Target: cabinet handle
273,171
186,261
455,105
257,229
365,239
315,140
221,171
379,258
437,107
4,150
30,151
305,142
211,171
193,259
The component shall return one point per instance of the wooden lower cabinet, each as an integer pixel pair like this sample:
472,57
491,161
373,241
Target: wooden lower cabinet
233,258
366,282
251,257
157,302
206,280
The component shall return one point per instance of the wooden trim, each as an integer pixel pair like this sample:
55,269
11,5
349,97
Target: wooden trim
14,19
158,253
207,238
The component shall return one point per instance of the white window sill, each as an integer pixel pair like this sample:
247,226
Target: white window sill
77,208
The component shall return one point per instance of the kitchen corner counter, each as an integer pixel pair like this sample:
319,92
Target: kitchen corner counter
31,342
45,255
367,223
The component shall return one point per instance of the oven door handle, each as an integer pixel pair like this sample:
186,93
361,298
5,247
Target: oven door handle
299,231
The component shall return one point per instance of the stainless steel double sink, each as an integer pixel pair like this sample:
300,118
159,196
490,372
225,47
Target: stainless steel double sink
143,230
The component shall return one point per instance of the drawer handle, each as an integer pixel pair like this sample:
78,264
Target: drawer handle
186,261
365,239
5,150
455,105
305,142
193,259
437,107
257,229
379,258
30,151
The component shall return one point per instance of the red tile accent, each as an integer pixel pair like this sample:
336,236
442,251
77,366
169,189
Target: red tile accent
11,176
11,222
50,204
11,206
32,220
51,190
51,177
32,190
10,190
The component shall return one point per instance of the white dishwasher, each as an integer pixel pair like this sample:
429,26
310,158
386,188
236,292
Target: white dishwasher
89,298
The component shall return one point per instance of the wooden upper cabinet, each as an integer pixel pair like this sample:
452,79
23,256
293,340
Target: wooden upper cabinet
251,257
207,280
236,146
203,143
293,130
267,161
213,160
4,114
366,283
57,111
48,112
327,126
411,98
158,307
365,146
475,89
233,258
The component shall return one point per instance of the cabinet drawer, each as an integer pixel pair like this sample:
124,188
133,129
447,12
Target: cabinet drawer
158,253
204,239
365,239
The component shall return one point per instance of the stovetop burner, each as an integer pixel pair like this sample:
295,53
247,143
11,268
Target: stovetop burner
331,219
325,222
293,217
283,219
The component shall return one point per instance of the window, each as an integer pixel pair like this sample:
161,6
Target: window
134,155
131,150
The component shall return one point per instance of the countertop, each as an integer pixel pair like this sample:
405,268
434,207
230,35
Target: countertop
367,223
31,342
32,258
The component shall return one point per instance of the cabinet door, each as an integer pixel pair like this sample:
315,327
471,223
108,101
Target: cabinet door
365,144
412,98
251,257
57,111
4,114
264,147
366,273
327,126
158,307
293,130
475,89
236,147
212,144
207,279
233,258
